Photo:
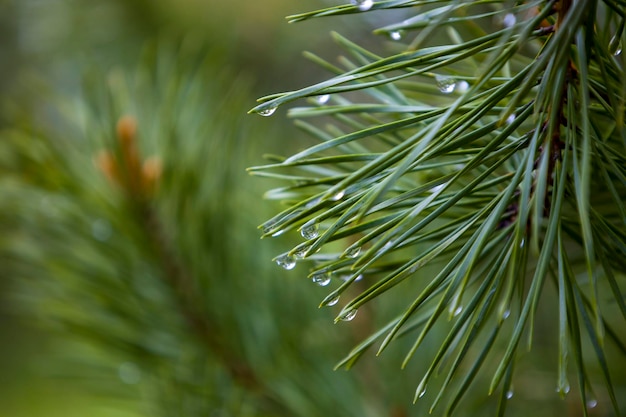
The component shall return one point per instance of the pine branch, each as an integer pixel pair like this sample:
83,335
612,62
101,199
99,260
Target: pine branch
489,179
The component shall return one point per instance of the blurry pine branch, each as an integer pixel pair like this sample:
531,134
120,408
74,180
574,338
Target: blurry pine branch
128,228
475,176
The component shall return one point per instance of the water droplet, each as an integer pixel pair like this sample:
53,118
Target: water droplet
563,388
462,86
422,392
267,227
101,230
509,394
509,20
348,276
436,188
348,315
396,35
615,45
338,196
323,99
268,111
286,261
592,403
302,252
510,119
458,310
129,373
332,301
321,278
363,5
278,232
445,84
310,231
313,202
506,314
352,252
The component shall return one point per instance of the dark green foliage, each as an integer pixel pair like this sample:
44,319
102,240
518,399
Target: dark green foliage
476,175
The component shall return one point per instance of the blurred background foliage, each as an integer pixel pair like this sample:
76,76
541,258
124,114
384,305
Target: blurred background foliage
95,317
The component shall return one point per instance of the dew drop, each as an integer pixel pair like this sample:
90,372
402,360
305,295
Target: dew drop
510,119
396,35
267,227
278,232
458,310
286,261
615,45
310,231
332,301
436,188
445,84
353,252
321,278
509,394
302,252
268,111
422,393
462,86
509,20
323,99
348,315
563,389
338,196
363,5
348,276
592,403
506,314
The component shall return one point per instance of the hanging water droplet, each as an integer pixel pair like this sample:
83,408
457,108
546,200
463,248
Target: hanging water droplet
332,301
436,188
310,231
338,196
352,252
268,111
615,45
278,232
506,314
458,310
396,35
321,278
267,227
509,394
323,99
462,86
363,5
348,276
592,403
509,20
302,252
563,388
313,202
348,315
510,119
422,392
286,261
445,84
